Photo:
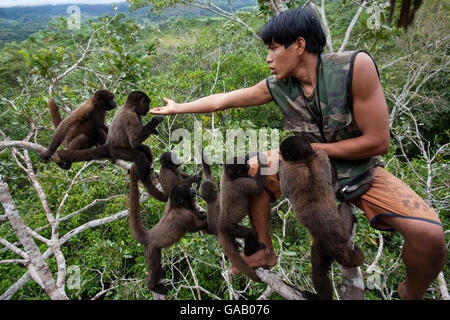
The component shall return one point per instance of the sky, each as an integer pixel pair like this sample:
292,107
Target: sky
15,3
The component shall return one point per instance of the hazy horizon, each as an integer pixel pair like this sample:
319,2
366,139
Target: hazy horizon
33,3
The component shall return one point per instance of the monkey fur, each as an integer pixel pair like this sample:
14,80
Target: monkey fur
83,128
180,216
124,141
210,193
306,180
237,188
170,175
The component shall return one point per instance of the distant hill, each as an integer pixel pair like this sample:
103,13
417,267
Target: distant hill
18,23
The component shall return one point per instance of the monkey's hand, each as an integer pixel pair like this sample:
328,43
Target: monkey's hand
151,126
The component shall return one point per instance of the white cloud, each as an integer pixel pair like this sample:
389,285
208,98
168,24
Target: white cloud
16,3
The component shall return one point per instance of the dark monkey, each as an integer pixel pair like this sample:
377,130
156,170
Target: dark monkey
306,180
83,128
237,188
180,216
124,141
170,175
210,193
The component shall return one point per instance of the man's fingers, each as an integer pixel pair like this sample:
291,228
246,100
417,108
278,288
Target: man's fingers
162,110
156,111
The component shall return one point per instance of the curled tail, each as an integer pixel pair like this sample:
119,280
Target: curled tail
229,248
136,226
54,112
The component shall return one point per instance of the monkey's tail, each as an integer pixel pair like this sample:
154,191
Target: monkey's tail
101,152
206,166
54,112
136,226
236,260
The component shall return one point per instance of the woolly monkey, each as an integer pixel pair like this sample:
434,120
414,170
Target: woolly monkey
237,188
124,141
180,216
83,128
170,175
306,180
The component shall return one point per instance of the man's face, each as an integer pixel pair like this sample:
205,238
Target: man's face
282,62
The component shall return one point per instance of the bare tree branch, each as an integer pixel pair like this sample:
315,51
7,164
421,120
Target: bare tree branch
351,25
37,266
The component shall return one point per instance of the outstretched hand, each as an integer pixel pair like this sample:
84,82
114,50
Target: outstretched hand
170,108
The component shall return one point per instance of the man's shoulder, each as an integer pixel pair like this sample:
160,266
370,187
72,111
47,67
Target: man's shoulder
339,57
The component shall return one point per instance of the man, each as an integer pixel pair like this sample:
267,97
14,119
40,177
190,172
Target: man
351,126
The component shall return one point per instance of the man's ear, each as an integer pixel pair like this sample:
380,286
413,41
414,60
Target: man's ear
301,45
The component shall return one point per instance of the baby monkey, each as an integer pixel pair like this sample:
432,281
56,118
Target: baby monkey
170,174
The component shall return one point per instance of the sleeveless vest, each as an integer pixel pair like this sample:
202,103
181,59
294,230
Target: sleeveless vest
334,93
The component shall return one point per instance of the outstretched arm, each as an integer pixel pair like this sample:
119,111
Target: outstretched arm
371,116
252,96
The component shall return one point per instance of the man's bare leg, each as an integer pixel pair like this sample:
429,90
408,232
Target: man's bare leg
424,254
259,216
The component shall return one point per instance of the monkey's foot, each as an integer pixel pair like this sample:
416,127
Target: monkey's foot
261,258
66,165
45,155
160,289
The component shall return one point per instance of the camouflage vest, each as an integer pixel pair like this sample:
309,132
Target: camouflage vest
333,91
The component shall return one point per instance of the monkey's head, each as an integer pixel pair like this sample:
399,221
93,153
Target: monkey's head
236,169
296,148
140,101
169,160
104,99
182,195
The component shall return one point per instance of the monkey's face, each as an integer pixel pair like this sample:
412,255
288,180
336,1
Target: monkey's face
143,106
105,99
140,101
182,195
295,148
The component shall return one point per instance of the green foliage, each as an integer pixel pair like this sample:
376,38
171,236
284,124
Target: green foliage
185,59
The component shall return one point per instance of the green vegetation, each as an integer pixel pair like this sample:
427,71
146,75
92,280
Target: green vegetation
183,59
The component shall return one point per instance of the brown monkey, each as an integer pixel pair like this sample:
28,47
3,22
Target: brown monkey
83,128
170,175
180,216
306,180
210,193
237,187
124,141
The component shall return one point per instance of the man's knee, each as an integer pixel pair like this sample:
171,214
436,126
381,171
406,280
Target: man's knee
430,239
435,239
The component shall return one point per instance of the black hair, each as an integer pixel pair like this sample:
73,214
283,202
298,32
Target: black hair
286,27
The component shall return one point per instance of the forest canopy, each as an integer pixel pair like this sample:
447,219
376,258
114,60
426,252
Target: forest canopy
77,233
